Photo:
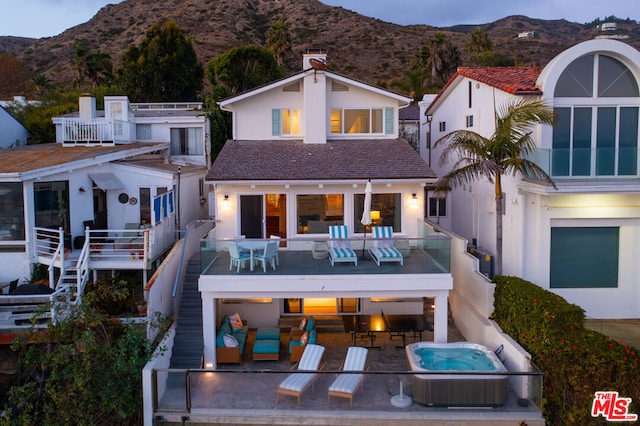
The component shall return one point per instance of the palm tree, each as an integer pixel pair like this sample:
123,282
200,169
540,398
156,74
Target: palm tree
503,153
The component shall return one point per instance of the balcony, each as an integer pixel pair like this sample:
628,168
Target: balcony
304,255
97,131
588,163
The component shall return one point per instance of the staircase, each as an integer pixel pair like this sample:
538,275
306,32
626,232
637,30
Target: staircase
188,345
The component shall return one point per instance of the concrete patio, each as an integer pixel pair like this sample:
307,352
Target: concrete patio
246,393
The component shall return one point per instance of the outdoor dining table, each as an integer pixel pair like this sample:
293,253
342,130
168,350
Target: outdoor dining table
252,246
395,325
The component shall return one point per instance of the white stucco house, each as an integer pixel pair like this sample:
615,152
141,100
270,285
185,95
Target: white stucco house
581,240
303,149
112,192
12,131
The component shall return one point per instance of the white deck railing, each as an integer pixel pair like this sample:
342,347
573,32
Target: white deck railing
97,131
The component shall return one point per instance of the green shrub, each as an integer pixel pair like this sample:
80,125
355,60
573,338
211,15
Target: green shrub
576,362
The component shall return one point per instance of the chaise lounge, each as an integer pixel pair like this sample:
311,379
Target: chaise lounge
347,384
339,247
297,383
382,249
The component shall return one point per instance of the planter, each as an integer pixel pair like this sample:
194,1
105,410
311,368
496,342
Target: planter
142,309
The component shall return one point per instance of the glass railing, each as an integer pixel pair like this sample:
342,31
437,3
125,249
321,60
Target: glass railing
584,163
182,391
309,254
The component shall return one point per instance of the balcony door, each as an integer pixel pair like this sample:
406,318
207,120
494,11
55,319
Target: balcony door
262,216
252,216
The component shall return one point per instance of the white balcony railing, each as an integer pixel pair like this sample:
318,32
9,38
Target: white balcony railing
97,131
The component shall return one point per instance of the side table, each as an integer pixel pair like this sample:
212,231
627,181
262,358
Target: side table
320,250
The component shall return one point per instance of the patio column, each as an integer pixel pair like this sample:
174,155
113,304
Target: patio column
209,329
440,318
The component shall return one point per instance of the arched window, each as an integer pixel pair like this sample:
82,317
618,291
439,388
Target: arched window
595,133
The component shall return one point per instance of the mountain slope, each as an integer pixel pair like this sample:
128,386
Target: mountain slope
361,47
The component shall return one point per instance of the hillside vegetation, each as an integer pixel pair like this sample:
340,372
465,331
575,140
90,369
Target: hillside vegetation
364,48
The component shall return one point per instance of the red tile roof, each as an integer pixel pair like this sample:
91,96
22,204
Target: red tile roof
514,80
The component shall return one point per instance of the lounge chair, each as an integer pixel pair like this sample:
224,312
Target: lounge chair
382,249
347,384
237,257
339,246
297,383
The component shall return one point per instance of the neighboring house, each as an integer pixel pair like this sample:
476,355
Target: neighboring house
134,176
303,149
409,125
12,131
581,240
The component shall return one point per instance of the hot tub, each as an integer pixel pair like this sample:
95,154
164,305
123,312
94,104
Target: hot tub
459,390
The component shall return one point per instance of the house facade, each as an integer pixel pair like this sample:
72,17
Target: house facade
132,172
580,240
302,152
12,131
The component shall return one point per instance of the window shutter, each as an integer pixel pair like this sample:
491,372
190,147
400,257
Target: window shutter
275,122
388,120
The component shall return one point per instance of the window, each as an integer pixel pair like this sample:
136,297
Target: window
362,121
593,136
442,126
143,132
144,204
469,120
290,122
317,212
51,202
470,95
584,257
187,141
386,210
11,212
285,122
437,207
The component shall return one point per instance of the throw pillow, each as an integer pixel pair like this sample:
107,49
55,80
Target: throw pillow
304,338
236,322
230,341
303,323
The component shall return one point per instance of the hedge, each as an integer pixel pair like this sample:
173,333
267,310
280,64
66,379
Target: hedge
576,361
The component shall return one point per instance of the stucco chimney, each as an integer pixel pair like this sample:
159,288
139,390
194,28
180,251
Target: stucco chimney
315,96
87,107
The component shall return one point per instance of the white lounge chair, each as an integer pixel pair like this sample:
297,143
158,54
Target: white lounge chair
339,247
297,383
382,249
347,384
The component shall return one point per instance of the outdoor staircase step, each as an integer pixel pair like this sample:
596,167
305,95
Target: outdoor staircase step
188,342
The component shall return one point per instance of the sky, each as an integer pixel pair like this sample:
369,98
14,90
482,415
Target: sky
46,18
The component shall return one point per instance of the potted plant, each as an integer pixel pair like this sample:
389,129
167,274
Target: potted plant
141,306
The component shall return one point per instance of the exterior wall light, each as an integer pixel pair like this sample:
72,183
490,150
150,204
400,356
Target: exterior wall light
414,200
226,203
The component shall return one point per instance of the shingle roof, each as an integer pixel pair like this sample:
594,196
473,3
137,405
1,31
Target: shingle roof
293,160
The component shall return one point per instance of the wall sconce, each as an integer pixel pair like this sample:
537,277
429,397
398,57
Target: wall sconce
226,203
414,200
81,189
429,118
